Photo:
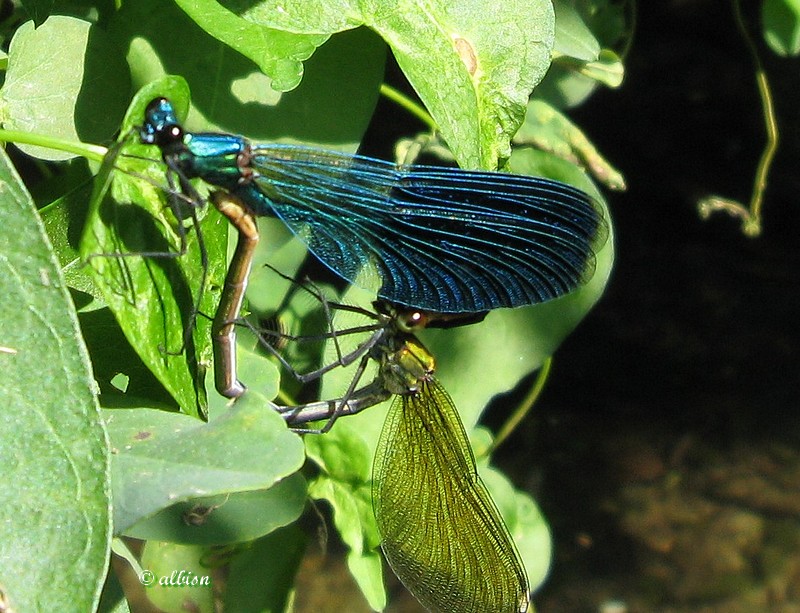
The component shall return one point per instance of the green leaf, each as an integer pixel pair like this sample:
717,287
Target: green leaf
342,457
260,577
332,105
487,56
573,38
780,20
176,579
225,519
345,461
367,569
54,451
278,54
297,16
133,246
167,458
59,91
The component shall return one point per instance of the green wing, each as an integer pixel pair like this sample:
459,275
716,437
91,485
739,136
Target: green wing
442,534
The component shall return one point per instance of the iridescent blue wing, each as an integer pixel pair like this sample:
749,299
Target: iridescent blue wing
441,239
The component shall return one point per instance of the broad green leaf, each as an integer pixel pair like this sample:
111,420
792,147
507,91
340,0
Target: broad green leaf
166,458
297,16
55,524
573,38
352,515
176,579
346,465
235,517
780,20
261,576
332,105
59,90
342,457
367,569
486,56
132,244
278,54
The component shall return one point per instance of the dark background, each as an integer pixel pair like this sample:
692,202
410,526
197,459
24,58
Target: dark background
665,449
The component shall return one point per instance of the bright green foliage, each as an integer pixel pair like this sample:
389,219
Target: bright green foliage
345,462
290,71
488,56
54,521
780,20
47,88
153,297
583,55
247,449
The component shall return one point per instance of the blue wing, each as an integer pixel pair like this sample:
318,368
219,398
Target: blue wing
441,239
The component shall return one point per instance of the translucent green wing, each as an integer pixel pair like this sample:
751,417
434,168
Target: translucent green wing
442,534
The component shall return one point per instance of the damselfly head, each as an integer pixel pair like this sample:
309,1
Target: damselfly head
411,320
161,126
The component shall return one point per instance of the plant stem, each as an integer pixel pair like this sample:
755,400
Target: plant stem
770,123
95,153
751,216
525,406
408,104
